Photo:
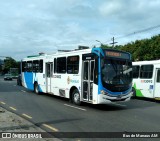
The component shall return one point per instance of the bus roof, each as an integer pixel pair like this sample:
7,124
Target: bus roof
96,50
146,62
58,53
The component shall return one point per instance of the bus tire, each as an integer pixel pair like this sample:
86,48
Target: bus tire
76,97
36,88
134,93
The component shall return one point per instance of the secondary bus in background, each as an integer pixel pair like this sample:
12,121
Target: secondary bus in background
146,79
14,72
96,75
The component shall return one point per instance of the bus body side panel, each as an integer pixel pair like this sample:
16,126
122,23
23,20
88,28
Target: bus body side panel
95,93
62,83
144,87
157,82
147,87
73,80
58,85
54,84
29,78
39,78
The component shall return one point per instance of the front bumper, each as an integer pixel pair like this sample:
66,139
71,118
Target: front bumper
104,99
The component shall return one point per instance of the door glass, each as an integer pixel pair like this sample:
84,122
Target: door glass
158,76
85,74
48,70
51,73
92,71
85,90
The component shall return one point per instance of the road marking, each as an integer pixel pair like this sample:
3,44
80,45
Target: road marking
75,107
27,116
23,91
3,103
14,109
50,127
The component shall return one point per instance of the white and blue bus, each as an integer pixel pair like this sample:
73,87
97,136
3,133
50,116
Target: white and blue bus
96,75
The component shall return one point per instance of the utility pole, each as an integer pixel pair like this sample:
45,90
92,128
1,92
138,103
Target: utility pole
113,42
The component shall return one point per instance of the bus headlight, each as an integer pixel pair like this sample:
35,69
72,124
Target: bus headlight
103,92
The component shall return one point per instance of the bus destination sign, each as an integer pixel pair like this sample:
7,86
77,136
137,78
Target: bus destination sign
117,54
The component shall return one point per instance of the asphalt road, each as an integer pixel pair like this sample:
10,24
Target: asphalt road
55,114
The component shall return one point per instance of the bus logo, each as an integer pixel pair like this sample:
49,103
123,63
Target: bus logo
71,80
119,96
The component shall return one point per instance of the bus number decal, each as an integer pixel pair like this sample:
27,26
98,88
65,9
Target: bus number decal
57,76
146,81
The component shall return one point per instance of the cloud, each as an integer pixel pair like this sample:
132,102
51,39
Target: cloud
132,11
110,8
29,27
130,16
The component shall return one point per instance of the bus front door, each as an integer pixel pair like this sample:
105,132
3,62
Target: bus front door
49,72
157,84
88,76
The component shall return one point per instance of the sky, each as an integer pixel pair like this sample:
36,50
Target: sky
28,27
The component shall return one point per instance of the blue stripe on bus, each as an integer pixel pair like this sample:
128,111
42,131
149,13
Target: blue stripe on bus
28,76
97,51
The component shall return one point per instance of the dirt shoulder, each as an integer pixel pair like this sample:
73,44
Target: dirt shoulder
10,122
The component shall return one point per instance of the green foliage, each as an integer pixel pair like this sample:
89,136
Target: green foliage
105,46
10,63
146,49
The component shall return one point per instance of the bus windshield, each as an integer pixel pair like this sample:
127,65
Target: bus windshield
116,74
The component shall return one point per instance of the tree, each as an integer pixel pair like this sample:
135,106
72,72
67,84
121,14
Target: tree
105,46
146,49
9,63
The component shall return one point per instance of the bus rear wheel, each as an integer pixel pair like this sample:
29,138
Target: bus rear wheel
36,88
76,97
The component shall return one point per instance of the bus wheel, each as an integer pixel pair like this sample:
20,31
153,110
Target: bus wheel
76,97
36,89
134,93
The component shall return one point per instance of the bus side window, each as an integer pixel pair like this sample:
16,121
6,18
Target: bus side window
36,66
85,74
136,71
41,66
23,66
72,64
29,66
61,65
146,71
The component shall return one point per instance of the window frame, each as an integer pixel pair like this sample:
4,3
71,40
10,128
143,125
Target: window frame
142,73
73,64
61,61
137,72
